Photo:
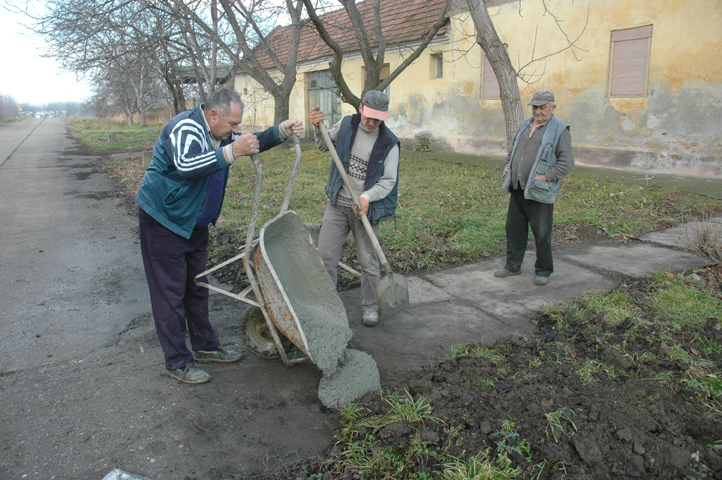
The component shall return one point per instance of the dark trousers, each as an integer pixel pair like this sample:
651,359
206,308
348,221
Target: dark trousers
179,305
523,213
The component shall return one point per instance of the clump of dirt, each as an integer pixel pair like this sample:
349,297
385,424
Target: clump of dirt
564,404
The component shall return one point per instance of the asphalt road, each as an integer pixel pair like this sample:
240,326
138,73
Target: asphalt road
82,385
72,277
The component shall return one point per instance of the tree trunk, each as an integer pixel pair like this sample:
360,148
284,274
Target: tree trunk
281,109
495,50
128,113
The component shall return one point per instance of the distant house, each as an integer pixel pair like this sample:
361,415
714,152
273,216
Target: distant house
642,89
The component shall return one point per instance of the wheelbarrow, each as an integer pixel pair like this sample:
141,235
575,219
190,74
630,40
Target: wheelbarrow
296,303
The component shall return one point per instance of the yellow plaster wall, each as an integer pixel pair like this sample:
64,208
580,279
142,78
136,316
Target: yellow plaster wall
675,127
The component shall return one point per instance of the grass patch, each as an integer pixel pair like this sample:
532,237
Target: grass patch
475,350
677,303
94,132
449,213
11,120
452,212
364,451
556,422
664,326
480,467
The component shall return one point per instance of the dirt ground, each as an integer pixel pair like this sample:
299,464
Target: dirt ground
625,427
622,426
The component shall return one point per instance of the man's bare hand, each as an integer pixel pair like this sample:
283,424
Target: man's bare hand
364,207
317,115
543,178
246,144
294,125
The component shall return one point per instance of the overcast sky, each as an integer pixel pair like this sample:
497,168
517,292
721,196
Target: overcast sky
28,78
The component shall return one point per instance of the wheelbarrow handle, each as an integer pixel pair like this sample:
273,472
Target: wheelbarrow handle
347,183
254,206
292,180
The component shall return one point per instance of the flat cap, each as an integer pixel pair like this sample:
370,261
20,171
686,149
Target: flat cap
541,97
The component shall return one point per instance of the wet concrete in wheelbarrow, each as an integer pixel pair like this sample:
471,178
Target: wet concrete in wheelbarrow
308,292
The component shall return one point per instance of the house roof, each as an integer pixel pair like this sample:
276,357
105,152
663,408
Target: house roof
402,21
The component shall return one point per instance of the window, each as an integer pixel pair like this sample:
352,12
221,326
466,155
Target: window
322,91
489,84
629,62
437,65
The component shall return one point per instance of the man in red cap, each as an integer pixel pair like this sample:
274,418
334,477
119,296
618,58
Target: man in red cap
369,152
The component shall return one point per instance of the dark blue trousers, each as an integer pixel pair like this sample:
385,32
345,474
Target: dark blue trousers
521,215
179,305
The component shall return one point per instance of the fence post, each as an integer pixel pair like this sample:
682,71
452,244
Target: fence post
147,156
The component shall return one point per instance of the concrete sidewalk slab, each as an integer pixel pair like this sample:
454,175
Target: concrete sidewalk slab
672,237
636,260
517,295
421,334
463,304
680,236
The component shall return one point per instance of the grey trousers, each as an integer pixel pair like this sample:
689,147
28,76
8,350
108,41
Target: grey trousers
337,222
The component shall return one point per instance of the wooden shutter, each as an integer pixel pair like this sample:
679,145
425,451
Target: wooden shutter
630,62
489,85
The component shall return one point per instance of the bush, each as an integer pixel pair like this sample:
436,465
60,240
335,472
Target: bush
705,239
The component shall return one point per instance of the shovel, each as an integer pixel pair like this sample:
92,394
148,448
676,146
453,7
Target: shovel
392,292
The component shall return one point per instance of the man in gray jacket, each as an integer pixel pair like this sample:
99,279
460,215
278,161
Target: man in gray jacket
540,157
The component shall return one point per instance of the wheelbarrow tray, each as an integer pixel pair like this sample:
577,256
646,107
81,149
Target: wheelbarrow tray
299,295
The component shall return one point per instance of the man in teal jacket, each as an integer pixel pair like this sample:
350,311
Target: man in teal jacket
540,157
182,193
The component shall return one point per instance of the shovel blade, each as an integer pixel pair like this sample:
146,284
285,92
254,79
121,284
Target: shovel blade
392,294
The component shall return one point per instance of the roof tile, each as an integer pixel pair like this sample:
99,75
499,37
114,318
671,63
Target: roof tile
401,21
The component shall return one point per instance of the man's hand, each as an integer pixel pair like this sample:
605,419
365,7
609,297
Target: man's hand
294,125
246,144
543,178
317,116
364,207
506,168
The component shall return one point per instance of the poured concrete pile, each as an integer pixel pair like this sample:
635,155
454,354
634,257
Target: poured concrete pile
347,374
356,375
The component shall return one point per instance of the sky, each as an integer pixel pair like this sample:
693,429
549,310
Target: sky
26,76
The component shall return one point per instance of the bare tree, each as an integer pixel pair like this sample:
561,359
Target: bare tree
506,75
495,50
95,36
248,24
373,48
8,107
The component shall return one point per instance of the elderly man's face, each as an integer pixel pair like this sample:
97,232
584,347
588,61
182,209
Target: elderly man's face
367,123
222,125
543,113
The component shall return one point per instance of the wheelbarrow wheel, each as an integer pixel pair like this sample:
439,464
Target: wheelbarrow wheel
257,336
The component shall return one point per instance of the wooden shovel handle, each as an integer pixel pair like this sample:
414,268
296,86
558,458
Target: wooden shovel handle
347,183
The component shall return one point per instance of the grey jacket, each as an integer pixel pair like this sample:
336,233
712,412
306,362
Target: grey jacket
538,190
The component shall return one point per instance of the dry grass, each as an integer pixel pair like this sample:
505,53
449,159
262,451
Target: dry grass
705,239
